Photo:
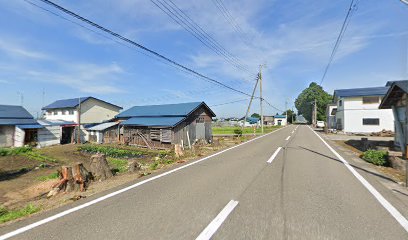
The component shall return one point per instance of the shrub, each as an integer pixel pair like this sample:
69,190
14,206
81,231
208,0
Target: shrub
376,157
238,131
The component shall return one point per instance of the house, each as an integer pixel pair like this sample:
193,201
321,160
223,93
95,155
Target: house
17,127
357,110
280,120
396,100
250,122
91,109
268,120
331,110
159,126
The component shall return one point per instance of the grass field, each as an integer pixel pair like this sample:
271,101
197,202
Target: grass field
247,130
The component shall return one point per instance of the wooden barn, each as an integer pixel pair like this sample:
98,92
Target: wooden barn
160,126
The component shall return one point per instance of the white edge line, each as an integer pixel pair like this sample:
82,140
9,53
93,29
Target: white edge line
217,222
387,205
71,210
287,138
274,155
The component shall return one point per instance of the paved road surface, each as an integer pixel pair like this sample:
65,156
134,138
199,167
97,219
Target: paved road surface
304,193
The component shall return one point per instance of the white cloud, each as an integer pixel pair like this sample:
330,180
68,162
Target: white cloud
15,50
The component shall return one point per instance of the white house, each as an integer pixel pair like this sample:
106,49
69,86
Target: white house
280,120
358,112
92,111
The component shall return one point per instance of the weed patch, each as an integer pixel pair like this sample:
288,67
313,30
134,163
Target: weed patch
379,158
48,177
118,165
111,151
8,215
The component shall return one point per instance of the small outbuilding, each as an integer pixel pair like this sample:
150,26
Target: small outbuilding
160,126
54,132
280,120
104,133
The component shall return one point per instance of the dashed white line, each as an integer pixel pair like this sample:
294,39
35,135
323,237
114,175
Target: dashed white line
100,199
274,155
387,205
218,220
287,138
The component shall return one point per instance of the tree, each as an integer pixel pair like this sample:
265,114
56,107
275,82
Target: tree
256,115
304,102
290,114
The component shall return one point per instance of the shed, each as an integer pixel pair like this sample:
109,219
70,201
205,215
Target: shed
104,132
17,127
159,126
396,99
54,132
280,120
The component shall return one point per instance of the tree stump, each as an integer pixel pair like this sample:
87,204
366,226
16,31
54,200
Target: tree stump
81,176
134,166
99,167
178,151
66,182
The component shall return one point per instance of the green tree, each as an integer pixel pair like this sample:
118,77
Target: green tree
304,102
290,114
256,115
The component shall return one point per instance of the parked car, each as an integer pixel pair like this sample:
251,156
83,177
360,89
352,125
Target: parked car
320,124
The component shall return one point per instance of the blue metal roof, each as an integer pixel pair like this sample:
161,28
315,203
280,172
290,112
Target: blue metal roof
71,103
166,110
55,122
30,126
358,92
14,112
16,121
252,120
279,116
153,121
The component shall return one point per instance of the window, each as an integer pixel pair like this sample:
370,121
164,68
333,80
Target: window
370,100
371,121
71,112
63,112
200,120
340,103
55,112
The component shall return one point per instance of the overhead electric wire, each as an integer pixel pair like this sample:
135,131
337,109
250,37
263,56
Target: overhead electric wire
181,18
269,104
350,12
231,102
154,53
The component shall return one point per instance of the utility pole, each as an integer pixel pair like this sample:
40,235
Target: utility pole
79,121
292,115
315,113
261,99
286,111
250,102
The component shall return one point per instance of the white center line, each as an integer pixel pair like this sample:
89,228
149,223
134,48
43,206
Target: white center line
274,155
287,138
218,220
387,205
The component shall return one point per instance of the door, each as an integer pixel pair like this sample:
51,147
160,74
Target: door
200,130
279,122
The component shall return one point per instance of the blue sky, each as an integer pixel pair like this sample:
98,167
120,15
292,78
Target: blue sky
41,52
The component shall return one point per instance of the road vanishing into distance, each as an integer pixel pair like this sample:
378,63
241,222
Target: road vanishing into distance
287,184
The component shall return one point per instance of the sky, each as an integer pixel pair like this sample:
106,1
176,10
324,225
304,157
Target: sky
46,57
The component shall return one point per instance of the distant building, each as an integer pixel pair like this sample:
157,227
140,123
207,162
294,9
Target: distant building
268,120
396,100
17,127
357,110
280,120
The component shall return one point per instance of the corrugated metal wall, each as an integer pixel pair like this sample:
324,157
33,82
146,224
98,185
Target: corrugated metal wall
6,136
19,135
49,135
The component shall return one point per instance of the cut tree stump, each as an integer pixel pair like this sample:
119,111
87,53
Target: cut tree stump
66,182
134,166
81,176
99,167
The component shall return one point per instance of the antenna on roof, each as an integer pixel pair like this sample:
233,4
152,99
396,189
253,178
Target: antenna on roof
21,98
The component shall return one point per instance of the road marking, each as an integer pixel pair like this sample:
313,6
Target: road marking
71,210
387,205
274,155
218,220
287,138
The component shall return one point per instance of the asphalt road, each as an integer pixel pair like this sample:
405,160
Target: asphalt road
306,192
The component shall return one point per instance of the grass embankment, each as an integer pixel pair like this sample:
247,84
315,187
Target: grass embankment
246,130
28,152
8,215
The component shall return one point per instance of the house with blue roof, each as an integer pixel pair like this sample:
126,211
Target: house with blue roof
160,126
357,110
17,126
280,120
85,111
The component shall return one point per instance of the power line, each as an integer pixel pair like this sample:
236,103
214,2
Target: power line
226,103
270,105
350,12
154,53
181,18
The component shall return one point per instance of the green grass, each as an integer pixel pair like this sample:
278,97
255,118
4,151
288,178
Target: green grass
154,165
118,165
27,152
111,151
48,177
8,215
246,130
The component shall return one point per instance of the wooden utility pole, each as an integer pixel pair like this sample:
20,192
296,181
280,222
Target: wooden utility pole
79,121
315,113
286,111
250,102
261,99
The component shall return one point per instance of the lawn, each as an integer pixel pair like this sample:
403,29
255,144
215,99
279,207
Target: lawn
247,130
